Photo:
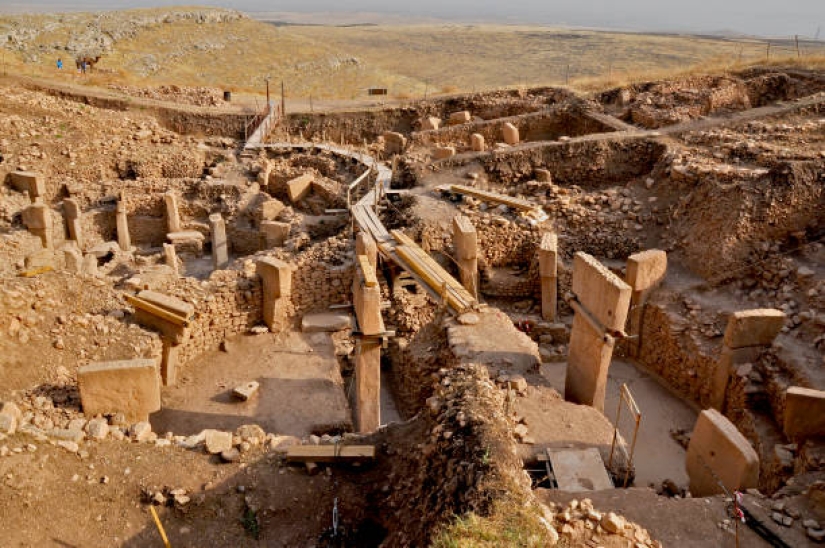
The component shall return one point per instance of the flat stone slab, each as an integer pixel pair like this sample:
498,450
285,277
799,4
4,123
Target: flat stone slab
579,470
326,322
758,327
804,413
130,387
185,236
646,269
717,445
246,391
168,303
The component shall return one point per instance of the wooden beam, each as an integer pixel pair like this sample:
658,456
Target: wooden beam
330,453
368,270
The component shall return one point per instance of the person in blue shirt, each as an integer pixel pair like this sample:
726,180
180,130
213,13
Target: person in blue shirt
59,63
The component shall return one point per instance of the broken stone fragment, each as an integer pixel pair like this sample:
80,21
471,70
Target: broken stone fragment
612,523
231,455
217,441
98,429
141,431
246,391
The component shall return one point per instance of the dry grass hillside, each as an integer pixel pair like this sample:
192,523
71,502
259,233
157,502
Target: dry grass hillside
227,50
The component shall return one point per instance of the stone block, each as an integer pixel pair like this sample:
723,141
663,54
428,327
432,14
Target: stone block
509,133
465,238
89,265
326,322
717,446
276,277
217,441
169,303
36,217
131,387
430,123
275,233
11,409
460,117
758,327
600,291
270,209
394,143
190,241
246,391
74,259
71,209
477,142
299,187
220,244
441,153
8,424
548,255
543,176
804,413
28,181
170,199
647,269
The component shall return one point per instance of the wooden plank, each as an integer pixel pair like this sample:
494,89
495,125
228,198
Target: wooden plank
330,453
495,197
370,280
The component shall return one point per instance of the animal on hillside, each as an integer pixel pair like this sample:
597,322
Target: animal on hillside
86,62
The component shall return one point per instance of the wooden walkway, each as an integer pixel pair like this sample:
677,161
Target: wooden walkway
395,246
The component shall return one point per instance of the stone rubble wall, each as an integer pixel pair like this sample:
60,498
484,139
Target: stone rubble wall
228,304
608,162
540,126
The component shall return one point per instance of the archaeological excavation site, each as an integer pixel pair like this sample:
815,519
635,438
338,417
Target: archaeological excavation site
525,317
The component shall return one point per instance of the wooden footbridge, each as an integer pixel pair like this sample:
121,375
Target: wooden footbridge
394,246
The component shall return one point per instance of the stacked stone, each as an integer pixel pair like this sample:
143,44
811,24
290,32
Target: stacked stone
680,358
323,276
228,304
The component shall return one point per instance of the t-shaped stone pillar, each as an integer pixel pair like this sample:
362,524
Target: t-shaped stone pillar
171,257
124,240
220,248
170,316
71,210
465,240
38,220
548,272
601,310
172,215
747,335
718,452
276,280
645,271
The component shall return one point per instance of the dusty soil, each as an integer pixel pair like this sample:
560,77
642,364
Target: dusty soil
297,373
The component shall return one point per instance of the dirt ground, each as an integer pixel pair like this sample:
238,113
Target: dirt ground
657,456
301,389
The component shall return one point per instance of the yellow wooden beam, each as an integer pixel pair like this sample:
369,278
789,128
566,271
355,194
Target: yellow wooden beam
370,280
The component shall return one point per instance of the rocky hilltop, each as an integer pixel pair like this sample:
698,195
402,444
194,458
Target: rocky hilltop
95,33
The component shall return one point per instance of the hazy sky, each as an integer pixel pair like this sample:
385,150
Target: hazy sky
763,17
